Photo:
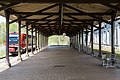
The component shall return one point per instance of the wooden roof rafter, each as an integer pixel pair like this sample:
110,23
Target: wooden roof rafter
95,17
59,1
24,17
38,20
72,17
56,13
83,21
5,7
111,6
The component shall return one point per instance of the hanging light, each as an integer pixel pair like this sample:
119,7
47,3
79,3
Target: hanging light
64,34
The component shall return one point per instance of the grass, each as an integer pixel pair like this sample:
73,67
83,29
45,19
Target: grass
2,53
107,49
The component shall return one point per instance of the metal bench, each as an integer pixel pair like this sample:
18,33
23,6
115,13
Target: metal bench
109,61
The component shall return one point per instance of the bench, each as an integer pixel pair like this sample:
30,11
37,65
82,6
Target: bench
109,61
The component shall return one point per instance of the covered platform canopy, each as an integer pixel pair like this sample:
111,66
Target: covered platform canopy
50,17
57,18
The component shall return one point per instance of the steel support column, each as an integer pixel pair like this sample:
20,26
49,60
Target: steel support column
75,40
27,40
99,55
40,42
112,33
38,47
79,41
35,40
7,15
82,39
44,41
32,41
19,42
92,40
70,42
86,40
47,41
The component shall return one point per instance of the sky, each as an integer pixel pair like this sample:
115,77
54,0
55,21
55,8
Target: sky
2,19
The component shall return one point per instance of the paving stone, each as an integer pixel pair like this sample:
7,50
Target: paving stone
60,63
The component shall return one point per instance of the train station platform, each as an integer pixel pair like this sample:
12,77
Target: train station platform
60,63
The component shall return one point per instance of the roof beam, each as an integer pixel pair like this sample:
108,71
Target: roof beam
60,14
46,23
83,21
90,24
38,20
33,13
111,6
75,9
40,11
60,17
55,13
59,1
5,7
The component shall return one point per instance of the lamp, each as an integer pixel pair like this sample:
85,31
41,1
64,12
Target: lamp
64,34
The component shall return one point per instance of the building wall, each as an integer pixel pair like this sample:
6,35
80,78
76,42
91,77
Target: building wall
106,34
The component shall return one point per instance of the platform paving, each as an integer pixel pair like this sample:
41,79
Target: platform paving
60,63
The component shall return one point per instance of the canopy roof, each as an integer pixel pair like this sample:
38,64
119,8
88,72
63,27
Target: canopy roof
58,17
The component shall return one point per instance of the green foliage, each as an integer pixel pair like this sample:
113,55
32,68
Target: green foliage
13,28
2,52
58,40
2,32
